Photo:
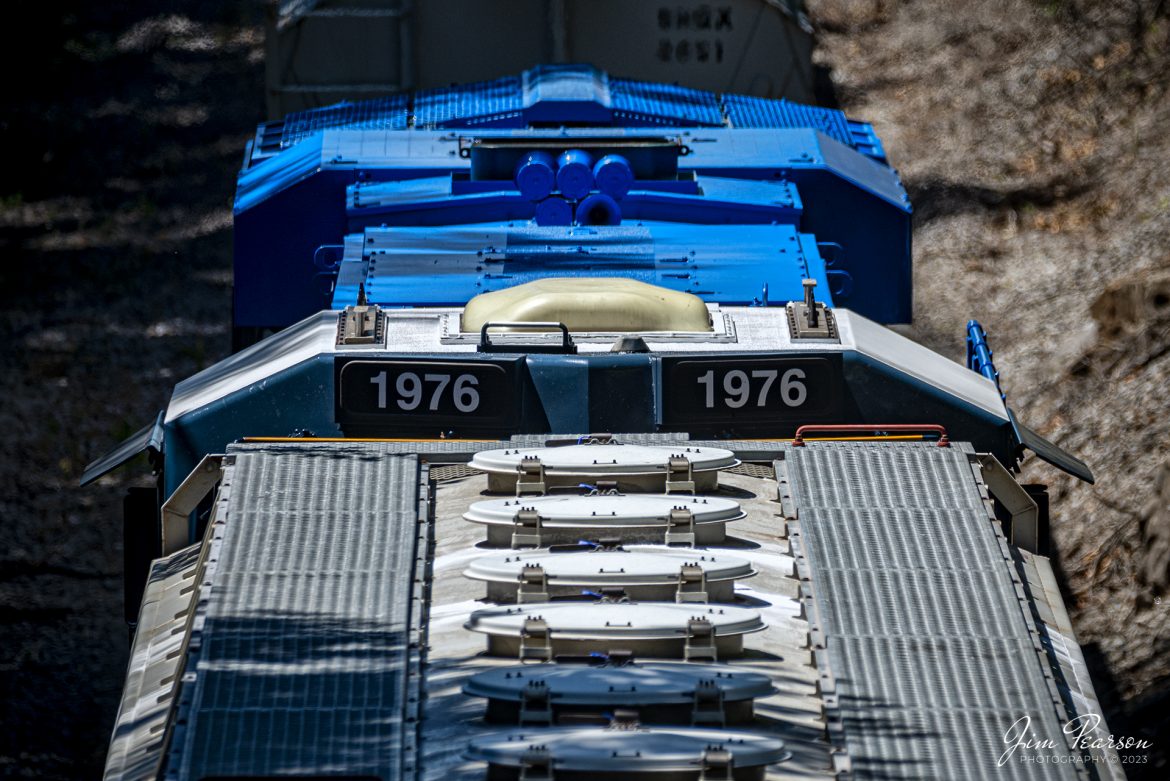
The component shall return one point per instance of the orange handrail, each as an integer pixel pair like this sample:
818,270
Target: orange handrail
851,428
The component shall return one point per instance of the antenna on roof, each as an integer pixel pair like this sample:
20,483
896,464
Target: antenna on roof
810,303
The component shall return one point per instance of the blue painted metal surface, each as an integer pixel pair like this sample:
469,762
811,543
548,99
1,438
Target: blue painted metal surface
535,175
554,211
574,173
638,103
567,94
613,176
339,170
390,113
446,266
498,103
598,209
290,205
447,201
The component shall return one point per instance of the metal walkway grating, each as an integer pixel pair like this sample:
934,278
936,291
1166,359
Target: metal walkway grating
932,652
136,748
884,476
906,538
304,656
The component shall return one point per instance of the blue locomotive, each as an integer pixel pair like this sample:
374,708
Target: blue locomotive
419,203
487,277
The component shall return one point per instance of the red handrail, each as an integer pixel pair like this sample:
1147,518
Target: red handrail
851,428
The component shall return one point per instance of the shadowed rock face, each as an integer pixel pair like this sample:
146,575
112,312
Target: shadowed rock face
1136,304
1027,135
1155,531
1133,335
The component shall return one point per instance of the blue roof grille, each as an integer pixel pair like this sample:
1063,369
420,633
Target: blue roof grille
647,103
389,113
746,111
566,94
866,141
499,103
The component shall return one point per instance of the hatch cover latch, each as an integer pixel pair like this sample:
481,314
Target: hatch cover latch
536,640
692,583
700,641
530,476
718,765
536,764
708,705
533,581
681,528
680,474
536,704
527,529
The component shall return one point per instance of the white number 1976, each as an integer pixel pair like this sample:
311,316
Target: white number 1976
738,387
412,390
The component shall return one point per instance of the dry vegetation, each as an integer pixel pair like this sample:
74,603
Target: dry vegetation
1031,136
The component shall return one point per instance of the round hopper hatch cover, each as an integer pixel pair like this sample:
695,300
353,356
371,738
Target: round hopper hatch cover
604,460
589,621
639,683
585,749
606,510
641,566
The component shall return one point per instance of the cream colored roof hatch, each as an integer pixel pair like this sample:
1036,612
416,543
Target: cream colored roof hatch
590,304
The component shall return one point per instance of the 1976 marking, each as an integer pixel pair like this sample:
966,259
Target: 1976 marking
750,395
411,390
739,387
409,394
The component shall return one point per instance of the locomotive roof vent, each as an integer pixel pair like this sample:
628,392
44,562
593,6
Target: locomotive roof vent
641,467
662,692
647,573
538,521
629,752
598,304
647,629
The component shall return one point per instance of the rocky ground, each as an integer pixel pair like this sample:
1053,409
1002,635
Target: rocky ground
1031,136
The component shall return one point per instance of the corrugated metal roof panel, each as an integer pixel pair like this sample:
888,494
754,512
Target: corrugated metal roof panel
136,747
883,476
305,651
933,653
